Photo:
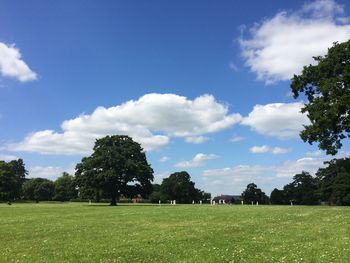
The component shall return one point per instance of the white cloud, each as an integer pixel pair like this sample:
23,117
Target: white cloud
158,178
49,172
267,149
164,159
280,46
308,164
6,157
197,161
12,65
240,172
196,139
280,150
281,120
259,149
314,154
150,120
237,139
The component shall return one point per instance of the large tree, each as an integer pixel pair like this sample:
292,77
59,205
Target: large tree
178,186
12,176
254,194
303,189
326,86
65,188
277,197
117,166
334,182
38,189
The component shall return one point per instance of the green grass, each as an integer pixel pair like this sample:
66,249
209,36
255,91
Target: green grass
77,232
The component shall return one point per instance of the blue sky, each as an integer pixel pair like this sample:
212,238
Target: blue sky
202,85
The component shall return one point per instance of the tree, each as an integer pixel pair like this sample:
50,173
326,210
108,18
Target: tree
38,189
277,197
327,88
305,188
302,191
178,186
65,188
12,176
254,194
334,182
117,166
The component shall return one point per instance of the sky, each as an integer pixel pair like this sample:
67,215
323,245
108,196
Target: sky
203,86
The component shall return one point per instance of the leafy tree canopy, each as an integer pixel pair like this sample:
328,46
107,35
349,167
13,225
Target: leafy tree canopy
38,189
327,88
12,176
334,182
178,186
254,194
117,166
65,188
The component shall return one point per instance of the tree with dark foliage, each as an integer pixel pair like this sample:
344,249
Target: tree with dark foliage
117,166
254,194
327,88
334,182
12,176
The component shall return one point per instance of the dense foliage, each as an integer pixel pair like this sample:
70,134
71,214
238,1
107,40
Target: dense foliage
334,182
65,188
12,176
117,166
330,185
38,189
327,88
178,186
254,194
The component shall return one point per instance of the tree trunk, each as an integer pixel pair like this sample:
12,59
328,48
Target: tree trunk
114,200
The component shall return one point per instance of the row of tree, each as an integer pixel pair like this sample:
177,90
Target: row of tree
330,185
117,168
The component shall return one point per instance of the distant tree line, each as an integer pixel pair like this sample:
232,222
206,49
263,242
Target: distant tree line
116,169
330,185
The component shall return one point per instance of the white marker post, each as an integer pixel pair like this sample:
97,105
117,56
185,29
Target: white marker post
242,202
174,202
200,202
193,202
159,202
257,203
252,203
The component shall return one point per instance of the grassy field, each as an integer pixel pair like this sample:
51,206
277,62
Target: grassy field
78,232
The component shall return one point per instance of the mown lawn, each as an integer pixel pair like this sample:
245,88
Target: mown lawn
77,232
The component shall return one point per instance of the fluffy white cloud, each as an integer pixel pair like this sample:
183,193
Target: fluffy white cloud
48,172
280,46
280,150
12,65
197,161
281,120
150,120
259,149
267,149
196,139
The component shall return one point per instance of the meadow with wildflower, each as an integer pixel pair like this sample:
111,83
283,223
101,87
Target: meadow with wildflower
78,232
